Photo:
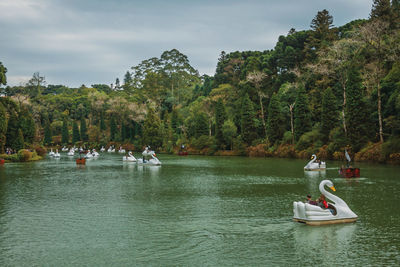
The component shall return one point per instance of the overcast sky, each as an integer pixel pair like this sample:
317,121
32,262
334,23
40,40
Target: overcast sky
75,42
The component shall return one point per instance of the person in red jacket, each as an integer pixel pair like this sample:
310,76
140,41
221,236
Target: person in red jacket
322,202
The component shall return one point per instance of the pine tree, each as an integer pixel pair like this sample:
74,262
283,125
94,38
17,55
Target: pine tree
3,77
27,125
123,132
247,124
84,135
175,121
230,131
19,141
200,125
47,134
3,127
329,116
113,129
220,117
152,130
321,33
76,137
275,122
302,118
64,133
356,111
102,123
381,10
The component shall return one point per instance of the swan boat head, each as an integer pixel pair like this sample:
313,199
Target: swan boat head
337,212
315,166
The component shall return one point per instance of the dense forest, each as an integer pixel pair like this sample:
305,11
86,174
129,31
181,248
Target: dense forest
318,91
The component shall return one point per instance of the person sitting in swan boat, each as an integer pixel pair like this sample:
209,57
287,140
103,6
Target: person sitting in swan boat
322,202
310,201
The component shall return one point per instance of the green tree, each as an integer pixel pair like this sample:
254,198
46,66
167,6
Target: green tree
102,123
3,77
302,120
321,33
329,116
247,121
64,133
76,137
229,131
84,135
36,84
152,130
123,132
27,125
19,141
220,117
275,122
3,127
381,9
12,131
356,111
200,124
113,129
47,134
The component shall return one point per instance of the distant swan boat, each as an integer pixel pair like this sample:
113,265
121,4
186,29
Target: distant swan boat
315,166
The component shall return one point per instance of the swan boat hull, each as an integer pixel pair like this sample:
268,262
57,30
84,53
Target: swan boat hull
315,167
325,222
315,215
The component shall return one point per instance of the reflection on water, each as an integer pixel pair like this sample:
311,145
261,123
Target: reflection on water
321,244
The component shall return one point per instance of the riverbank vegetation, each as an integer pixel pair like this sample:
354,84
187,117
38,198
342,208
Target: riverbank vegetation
318,91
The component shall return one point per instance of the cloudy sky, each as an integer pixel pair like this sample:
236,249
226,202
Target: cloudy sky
75,42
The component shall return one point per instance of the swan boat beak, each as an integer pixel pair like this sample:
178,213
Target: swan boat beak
333,188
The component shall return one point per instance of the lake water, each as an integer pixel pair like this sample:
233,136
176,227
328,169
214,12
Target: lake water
191,211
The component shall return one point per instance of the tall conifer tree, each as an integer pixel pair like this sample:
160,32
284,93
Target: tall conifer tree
84,135
248,127
76,137
302,118
3,127
152,130
113,129
329,116
275,123
356,111
27,125
102,123
47,134
220,117
64,133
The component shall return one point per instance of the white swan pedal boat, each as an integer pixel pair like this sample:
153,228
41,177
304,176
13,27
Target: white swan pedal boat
315,215
153,161
129,158
315,166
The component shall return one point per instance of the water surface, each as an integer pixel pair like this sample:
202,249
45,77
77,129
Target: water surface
192,211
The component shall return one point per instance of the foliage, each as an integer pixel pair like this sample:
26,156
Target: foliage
76,136
329,115
248,125
47,134
220,117
275,124
356,114
3,127
83,131
64,133
302,120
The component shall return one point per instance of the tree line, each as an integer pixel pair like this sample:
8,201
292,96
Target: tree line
317,91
